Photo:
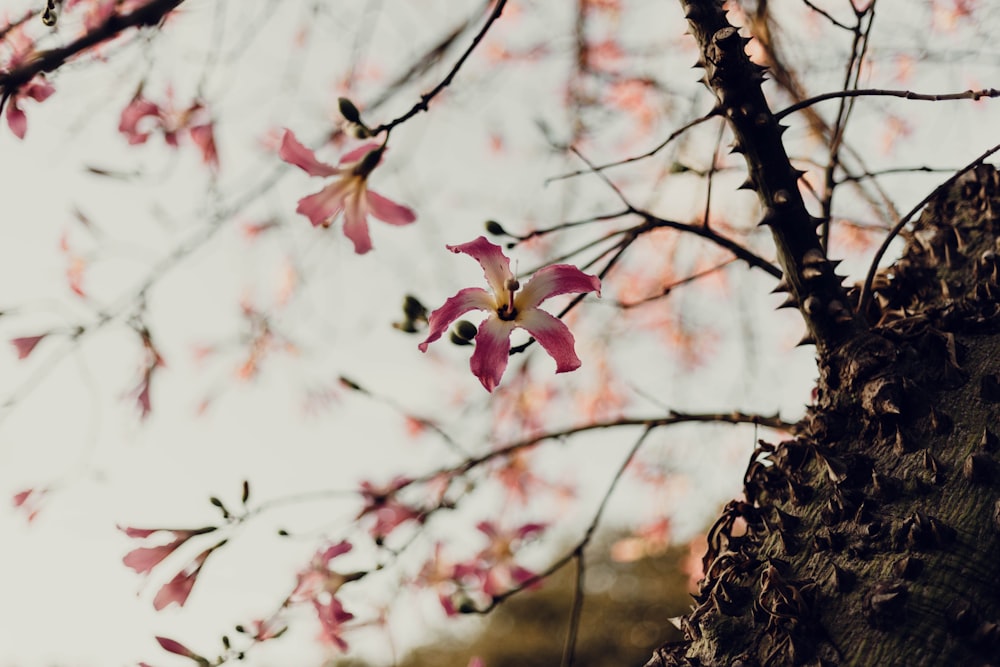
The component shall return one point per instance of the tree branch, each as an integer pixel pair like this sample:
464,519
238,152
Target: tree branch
52,59
426,98
809,277
974,95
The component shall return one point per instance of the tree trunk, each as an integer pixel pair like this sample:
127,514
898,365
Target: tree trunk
873,537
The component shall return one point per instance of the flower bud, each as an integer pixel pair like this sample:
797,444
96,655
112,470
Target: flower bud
463,333
413,309
349,111
466,329
493,227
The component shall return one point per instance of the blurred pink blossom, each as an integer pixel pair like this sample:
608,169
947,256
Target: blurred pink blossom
348,194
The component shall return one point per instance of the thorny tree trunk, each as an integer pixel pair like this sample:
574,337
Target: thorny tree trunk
873,537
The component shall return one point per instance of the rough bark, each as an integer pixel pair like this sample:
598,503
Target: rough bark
873,537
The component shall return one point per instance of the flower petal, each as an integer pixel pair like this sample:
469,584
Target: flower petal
389,211
495,264
554,280
356,219
39,90
16,119
26,344
489,360
144,559
204,138
470,298
333,551
293,152
321,208
176,647
552,335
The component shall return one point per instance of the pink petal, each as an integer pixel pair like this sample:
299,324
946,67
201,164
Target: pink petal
39,90
489,360
142,398
204,138
138,532
495,264
293,152
521,575
529,530
554,280
321,208
389,211
552,335
470,298
26,344
22,497
487,528
16,119
175,591
176,647
144,559
356,220
137,109
336,550
358,153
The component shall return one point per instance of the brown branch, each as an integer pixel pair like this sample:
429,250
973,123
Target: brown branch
671,419
809,277
974,95
52,59
732,246
635,158
426,98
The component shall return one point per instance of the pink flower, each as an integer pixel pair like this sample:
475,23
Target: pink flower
332,616
349,193
382,504
39,90
144,559
26,345
138,109
319,578
440,575
511,309
171,122
498,570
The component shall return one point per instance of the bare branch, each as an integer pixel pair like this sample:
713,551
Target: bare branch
974,95
426,98
52,59
814,287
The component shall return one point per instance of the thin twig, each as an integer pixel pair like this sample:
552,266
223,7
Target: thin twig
569,649
635,158
670,419
866,288
974,95
826,15
426,98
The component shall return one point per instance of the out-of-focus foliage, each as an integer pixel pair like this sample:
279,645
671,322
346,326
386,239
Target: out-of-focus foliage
625,616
